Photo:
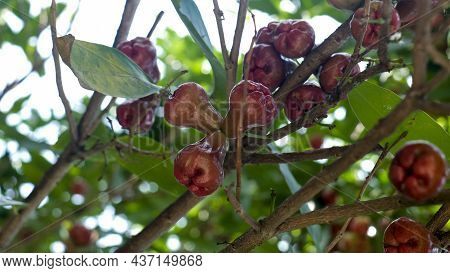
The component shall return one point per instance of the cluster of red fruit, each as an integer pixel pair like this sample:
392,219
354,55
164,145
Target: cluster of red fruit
199,166
138,115
418,170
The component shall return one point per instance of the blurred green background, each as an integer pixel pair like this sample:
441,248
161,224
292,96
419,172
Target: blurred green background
118,202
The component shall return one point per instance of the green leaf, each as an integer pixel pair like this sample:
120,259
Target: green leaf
150,168
105,69
318,235
371,103
192,19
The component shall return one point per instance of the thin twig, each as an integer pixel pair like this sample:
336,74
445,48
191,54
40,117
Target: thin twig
438,58
219,18
234,54
239,210
155,24
36,66
356,56
62,95
364,186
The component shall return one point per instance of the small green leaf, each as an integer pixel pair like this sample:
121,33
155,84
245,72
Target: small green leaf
191,17
150,168
371,103
105,69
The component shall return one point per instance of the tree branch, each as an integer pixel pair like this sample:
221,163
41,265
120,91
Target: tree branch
59,84
331,214
219,18
385,32
160,224
364,186
314,59
385,127
57,171
234,54
295,157
85,127
434,107
440,219
240,211
438,58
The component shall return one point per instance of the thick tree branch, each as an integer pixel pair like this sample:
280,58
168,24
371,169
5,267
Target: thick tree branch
385,32
385,127
331,214
364,186
295,157
160,224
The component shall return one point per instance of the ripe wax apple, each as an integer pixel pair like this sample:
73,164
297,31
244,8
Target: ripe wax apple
142,51
254,102
300,100
80,235
407,236
189,106
418,170
333,71
267,67
294,38
199,166
373,31
138,115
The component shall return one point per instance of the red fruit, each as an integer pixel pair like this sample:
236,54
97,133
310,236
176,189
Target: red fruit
333,71
80,235
142,51
316,141
265,35
302,99
138,115
346,4
359,225
408,10
372,34
79,186
407,236
266,67
199,166
294,38
418,170
329,196
189,106
354,243
257,105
